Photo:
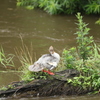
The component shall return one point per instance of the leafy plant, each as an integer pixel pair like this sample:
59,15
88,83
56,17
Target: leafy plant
93,7
84,41
85,58
53,7
3,88
68,57
29,4
98,21
63,6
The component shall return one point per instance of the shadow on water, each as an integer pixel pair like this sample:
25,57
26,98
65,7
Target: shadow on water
40,29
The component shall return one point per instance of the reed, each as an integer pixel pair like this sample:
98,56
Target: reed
27,57
6,59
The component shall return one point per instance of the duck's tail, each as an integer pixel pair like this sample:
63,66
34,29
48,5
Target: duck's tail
35,67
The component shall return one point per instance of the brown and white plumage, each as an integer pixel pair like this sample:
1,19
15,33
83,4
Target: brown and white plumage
49,61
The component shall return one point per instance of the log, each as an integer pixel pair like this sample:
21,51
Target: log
54,85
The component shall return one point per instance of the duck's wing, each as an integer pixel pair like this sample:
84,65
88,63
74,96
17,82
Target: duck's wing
35,67
50,62
43,58
39,64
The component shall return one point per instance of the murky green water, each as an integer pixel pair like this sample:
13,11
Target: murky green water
59,98
40,29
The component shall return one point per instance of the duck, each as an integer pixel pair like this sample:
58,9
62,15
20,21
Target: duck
46,61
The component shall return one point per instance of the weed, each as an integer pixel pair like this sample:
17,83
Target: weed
6,60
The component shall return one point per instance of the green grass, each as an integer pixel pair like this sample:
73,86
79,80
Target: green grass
6,60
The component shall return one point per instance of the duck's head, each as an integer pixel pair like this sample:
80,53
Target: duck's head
51,49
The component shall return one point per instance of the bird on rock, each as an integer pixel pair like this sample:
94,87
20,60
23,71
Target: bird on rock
46,61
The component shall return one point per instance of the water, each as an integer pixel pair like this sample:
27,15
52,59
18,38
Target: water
59,98
40,29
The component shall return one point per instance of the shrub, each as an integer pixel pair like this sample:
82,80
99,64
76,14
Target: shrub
63,6
93,7
85,58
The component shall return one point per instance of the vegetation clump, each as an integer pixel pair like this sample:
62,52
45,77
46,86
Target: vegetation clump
85,58
63,6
